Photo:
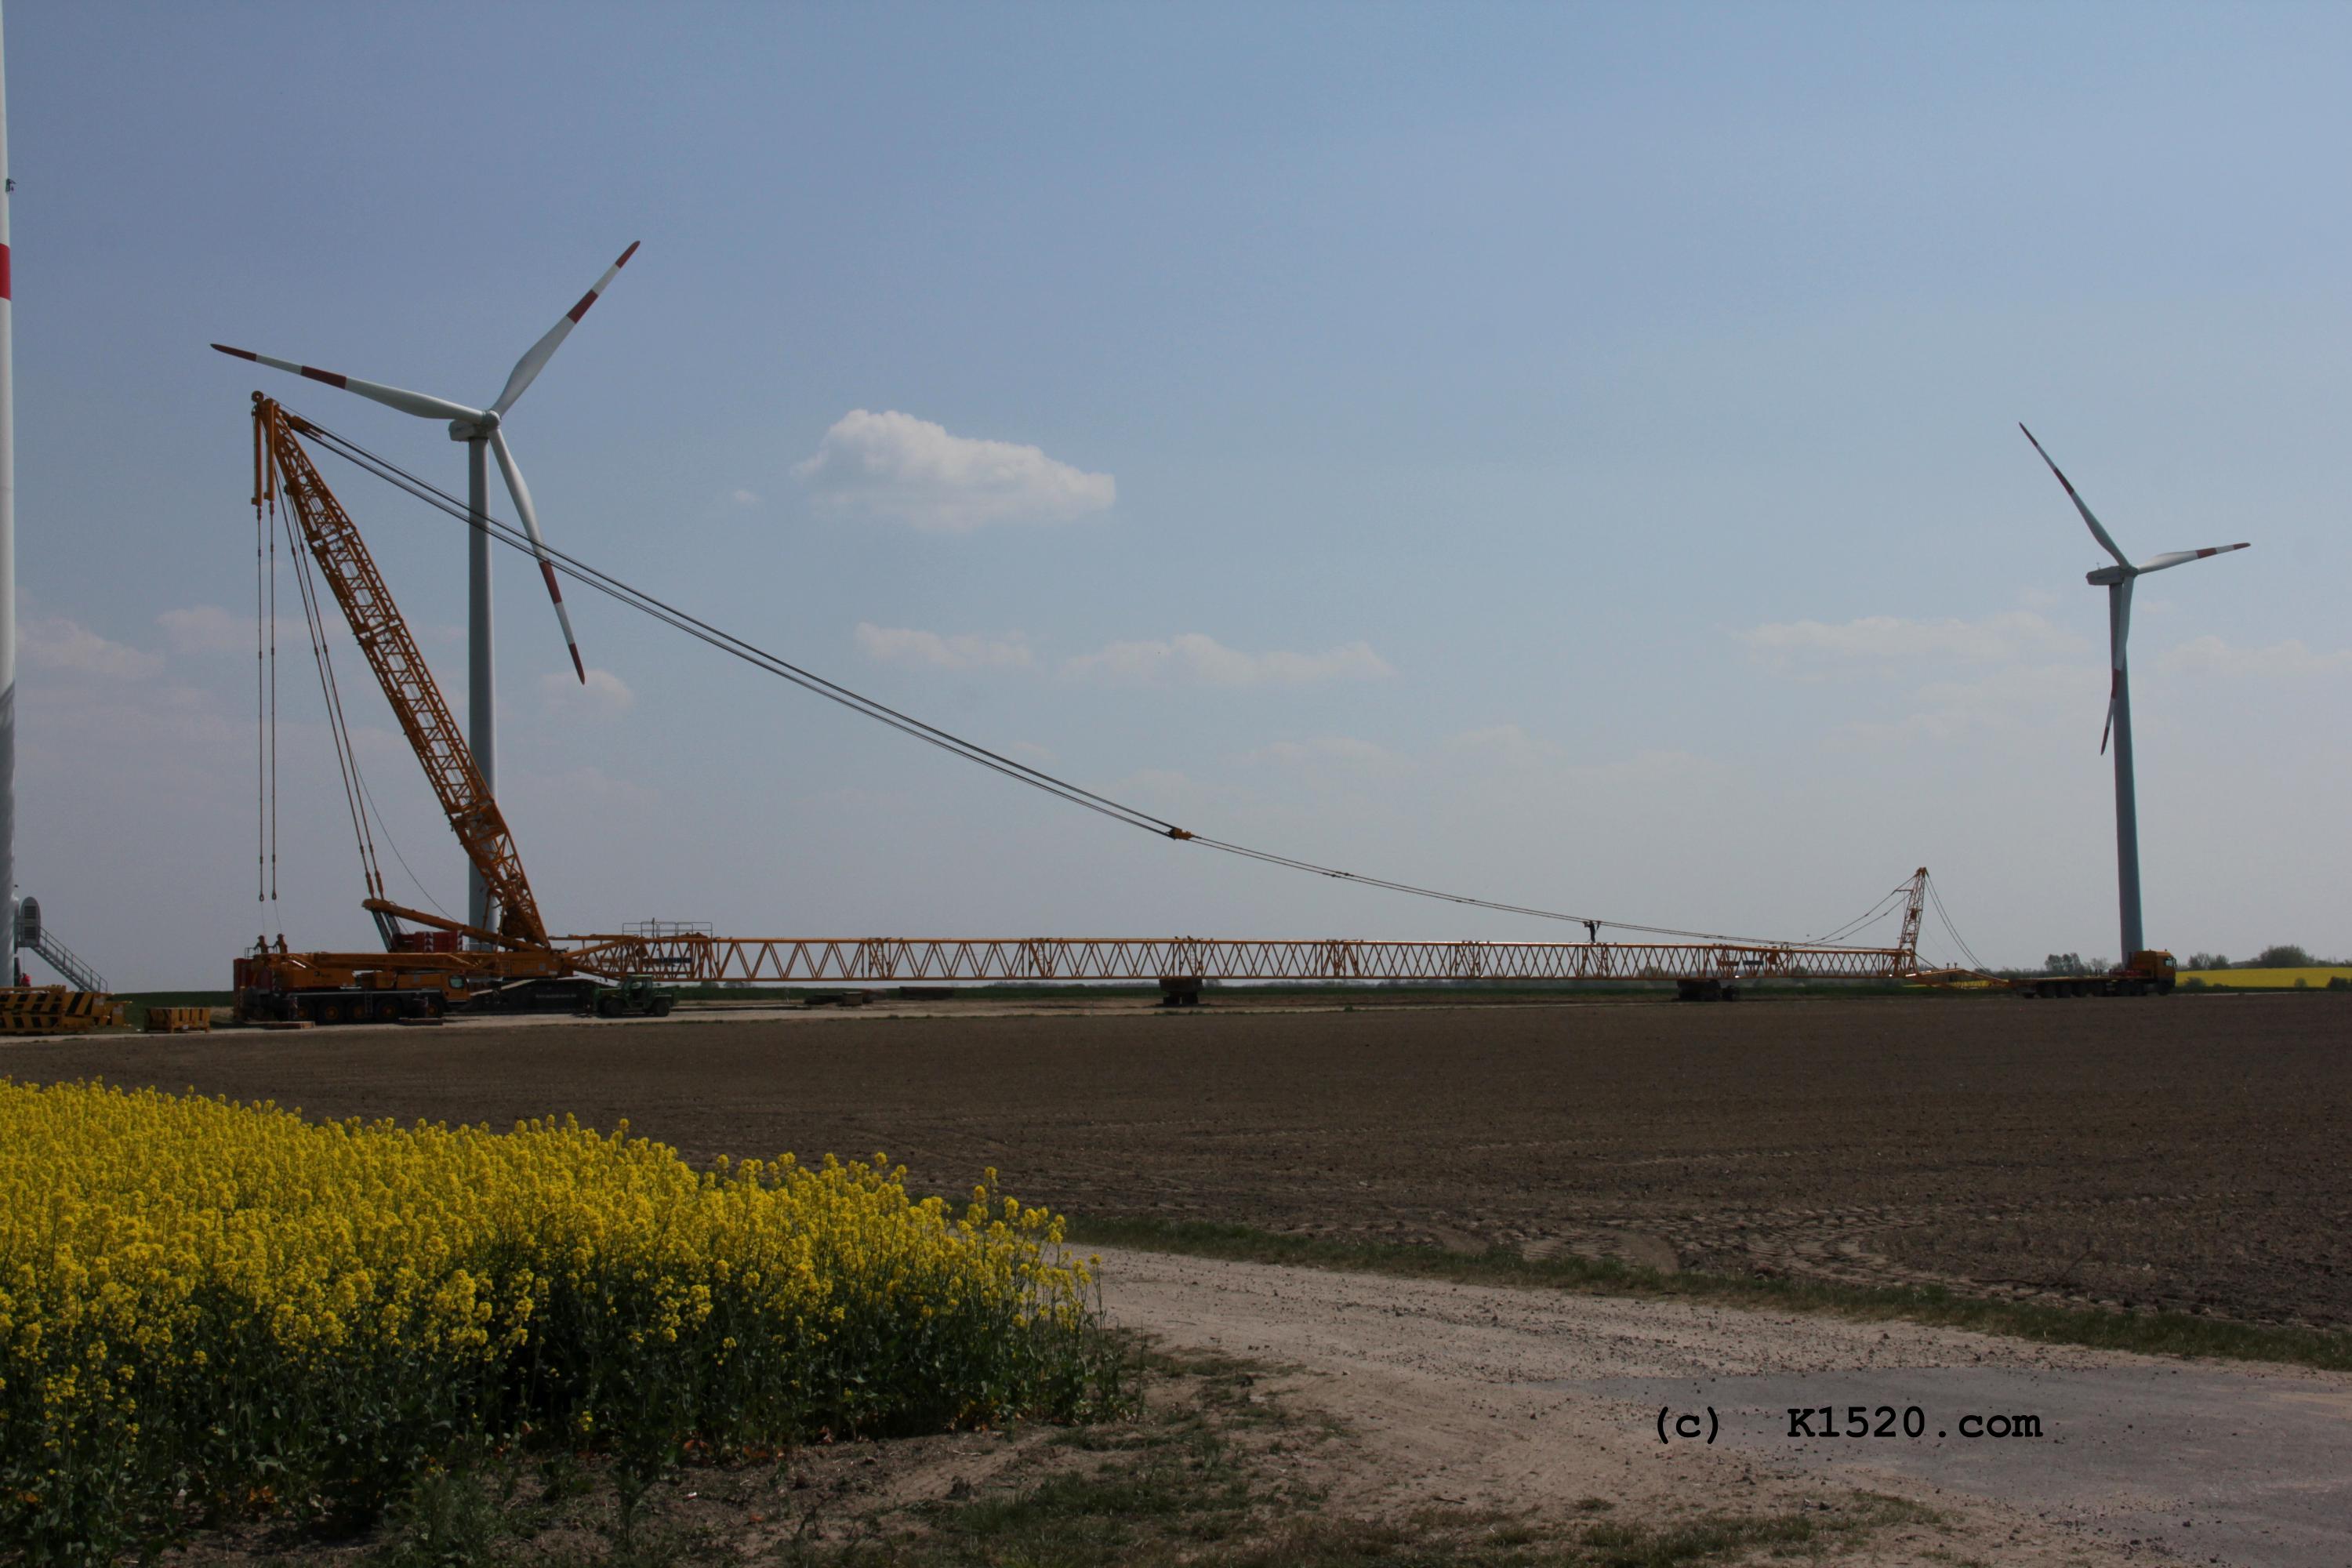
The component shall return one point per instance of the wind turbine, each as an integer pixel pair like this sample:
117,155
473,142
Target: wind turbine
481,430
2117,581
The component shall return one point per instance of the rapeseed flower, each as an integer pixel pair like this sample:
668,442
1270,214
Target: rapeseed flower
205,1306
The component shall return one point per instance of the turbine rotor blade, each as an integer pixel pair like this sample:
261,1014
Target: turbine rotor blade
2098,533
524,509
407,402
2176,557
526,368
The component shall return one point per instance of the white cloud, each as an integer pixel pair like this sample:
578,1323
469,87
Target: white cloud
1506,741
598,787
1193,657
906,644
1997,638
910,470
1341,751
69,648
605,693
2279,661
741,497
1189,658
2004,698
207,629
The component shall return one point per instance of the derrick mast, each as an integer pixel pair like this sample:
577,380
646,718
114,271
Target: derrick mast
390,649
423,974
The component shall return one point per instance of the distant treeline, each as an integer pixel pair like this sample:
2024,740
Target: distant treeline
2283,955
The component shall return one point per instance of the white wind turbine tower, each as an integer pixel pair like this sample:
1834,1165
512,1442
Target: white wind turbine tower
480,429
2117,581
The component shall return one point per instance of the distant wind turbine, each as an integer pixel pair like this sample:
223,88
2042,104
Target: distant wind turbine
481,430
2117,581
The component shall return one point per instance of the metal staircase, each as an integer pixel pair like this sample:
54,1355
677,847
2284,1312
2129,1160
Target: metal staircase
31,936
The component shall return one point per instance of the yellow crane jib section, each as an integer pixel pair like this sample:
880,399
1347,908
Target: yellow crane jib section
391,652
696,958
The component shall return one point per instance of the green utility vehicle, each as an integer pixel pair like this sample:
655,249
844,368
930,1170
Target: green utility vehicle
633,998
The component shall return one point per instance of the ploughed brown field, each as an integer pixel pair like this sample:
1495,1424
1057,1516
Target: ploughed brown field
2187,1153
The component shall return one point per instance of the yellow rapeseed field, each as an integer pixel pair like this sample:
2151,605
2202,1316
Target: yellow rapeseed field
207,1308
2315,977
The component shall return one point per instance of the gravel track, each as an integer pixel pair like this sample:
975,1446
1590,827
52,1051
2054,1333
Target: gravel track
1488,1398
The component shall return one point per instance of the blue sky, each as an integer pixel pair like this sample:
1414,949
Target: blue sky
1568,454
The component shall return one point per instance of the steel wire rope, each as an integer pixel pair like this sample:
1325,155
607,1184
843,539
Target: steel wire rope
1945,915
346,762
273,714
385,829
261,705
1876,912
1854,926
1078,794
679,620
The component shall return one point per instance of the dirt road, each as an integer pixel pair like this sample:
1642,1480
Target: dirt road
1504,1398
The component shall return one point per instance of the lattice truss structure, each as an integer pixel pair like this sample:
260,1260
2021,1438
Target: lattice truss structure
714,960
521,948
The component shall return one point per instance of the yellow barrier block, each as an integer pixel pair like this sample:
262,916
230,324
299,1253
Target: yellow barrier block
54,1010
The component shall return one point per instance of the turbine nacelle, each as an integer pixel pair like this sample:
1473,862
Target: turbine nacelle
482,424
2117,581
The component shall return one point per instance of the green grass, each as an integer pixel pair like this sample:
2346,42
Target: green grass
1192,1483
1202,1474
2149,1333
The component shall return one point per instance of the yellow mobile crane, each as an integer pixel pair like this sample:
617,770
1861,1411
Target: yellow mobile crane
422,972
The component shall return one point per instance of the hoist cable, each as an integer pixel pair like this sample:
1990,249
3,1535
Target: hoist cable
385,829
261,706
346,761
1876,912
1944,915
679,620
671,616
273,713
